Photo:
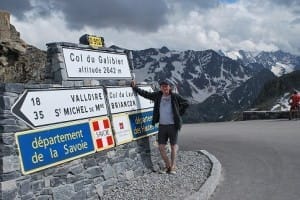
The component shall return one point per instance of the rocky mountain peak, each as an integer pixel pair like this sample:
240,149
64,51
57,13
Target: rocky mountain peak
19,62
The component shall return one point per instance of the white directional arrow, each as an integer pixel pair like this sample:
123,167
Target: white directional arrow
39,108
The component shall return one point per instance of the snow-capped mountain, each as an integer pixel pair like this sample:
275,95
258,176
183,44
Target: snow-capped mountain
196,74
275,94
218,86
220,107
278,62
246,56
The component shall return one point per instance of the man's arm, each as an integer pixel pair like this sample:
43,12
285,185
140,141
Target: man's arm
183,104
143,93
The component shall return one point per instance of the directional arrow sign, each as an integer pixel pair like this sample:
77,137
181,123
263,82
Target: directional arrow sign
45,107
123,99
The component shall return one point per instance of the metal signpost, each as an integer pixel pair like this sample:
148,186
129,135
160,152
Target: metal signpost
39,108
43,148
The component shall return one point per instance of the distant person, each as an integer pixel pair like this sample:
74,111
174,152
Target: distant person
294,102
167,111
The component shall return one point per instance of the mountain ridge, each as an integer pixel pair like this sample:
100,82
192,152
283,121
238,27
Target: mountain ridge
218,86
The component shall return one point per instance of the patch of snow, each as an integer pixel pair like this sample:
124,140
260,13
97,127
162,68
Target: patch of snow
178,66
201,95
279,69
234,55
282,104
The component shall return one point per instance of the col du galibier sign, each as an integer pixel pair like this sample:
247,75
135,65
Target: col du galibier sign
81,63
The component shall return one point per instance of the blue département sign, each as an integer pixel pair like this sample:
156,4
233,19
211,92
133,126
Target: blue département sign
40,149
141,124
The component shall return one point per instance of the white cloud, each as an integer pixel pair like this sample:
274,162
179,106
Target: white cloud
39,31
248,25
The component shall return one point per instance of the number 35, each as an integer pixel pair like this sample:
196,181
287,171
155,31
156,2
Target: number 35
38,115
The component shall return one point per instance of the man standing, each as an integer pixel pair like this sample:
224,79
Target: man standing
167,111
294,102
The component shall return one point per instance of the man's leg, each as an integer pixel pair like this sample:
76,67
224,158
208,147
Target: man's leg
174,149
162,141
163,153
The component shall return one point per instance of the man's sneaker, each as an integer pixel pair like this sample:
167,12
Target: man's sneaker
172,171
165,170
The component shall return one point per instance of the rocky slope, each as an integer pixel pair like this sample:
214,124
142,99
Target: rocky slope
20,62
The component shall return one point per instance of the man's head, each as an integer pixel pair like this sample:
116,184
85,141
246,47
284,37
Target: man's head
295,91
165,87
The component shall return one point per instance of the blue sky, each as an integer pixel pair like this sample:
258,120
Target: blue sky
227,25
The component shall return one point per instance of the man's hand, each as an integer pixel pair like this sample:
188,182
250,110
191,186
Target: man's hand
133,84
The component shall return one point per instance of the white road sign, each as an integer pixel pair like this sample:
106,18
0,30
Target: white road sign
39,108
122,130
95,64
124,99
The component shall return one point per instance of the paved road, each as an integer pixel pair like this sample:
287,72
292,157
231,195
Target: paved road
260,159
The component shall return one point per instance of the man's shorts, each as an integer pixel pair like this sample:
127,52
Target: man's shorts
294,107
166,132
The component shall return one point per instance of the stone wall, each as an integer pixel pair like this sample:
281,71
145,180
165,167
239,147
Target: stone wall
253,115
85,178
88,177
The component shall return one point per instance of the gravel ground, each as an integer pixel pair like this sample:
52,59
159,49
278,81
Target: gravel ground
193,168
